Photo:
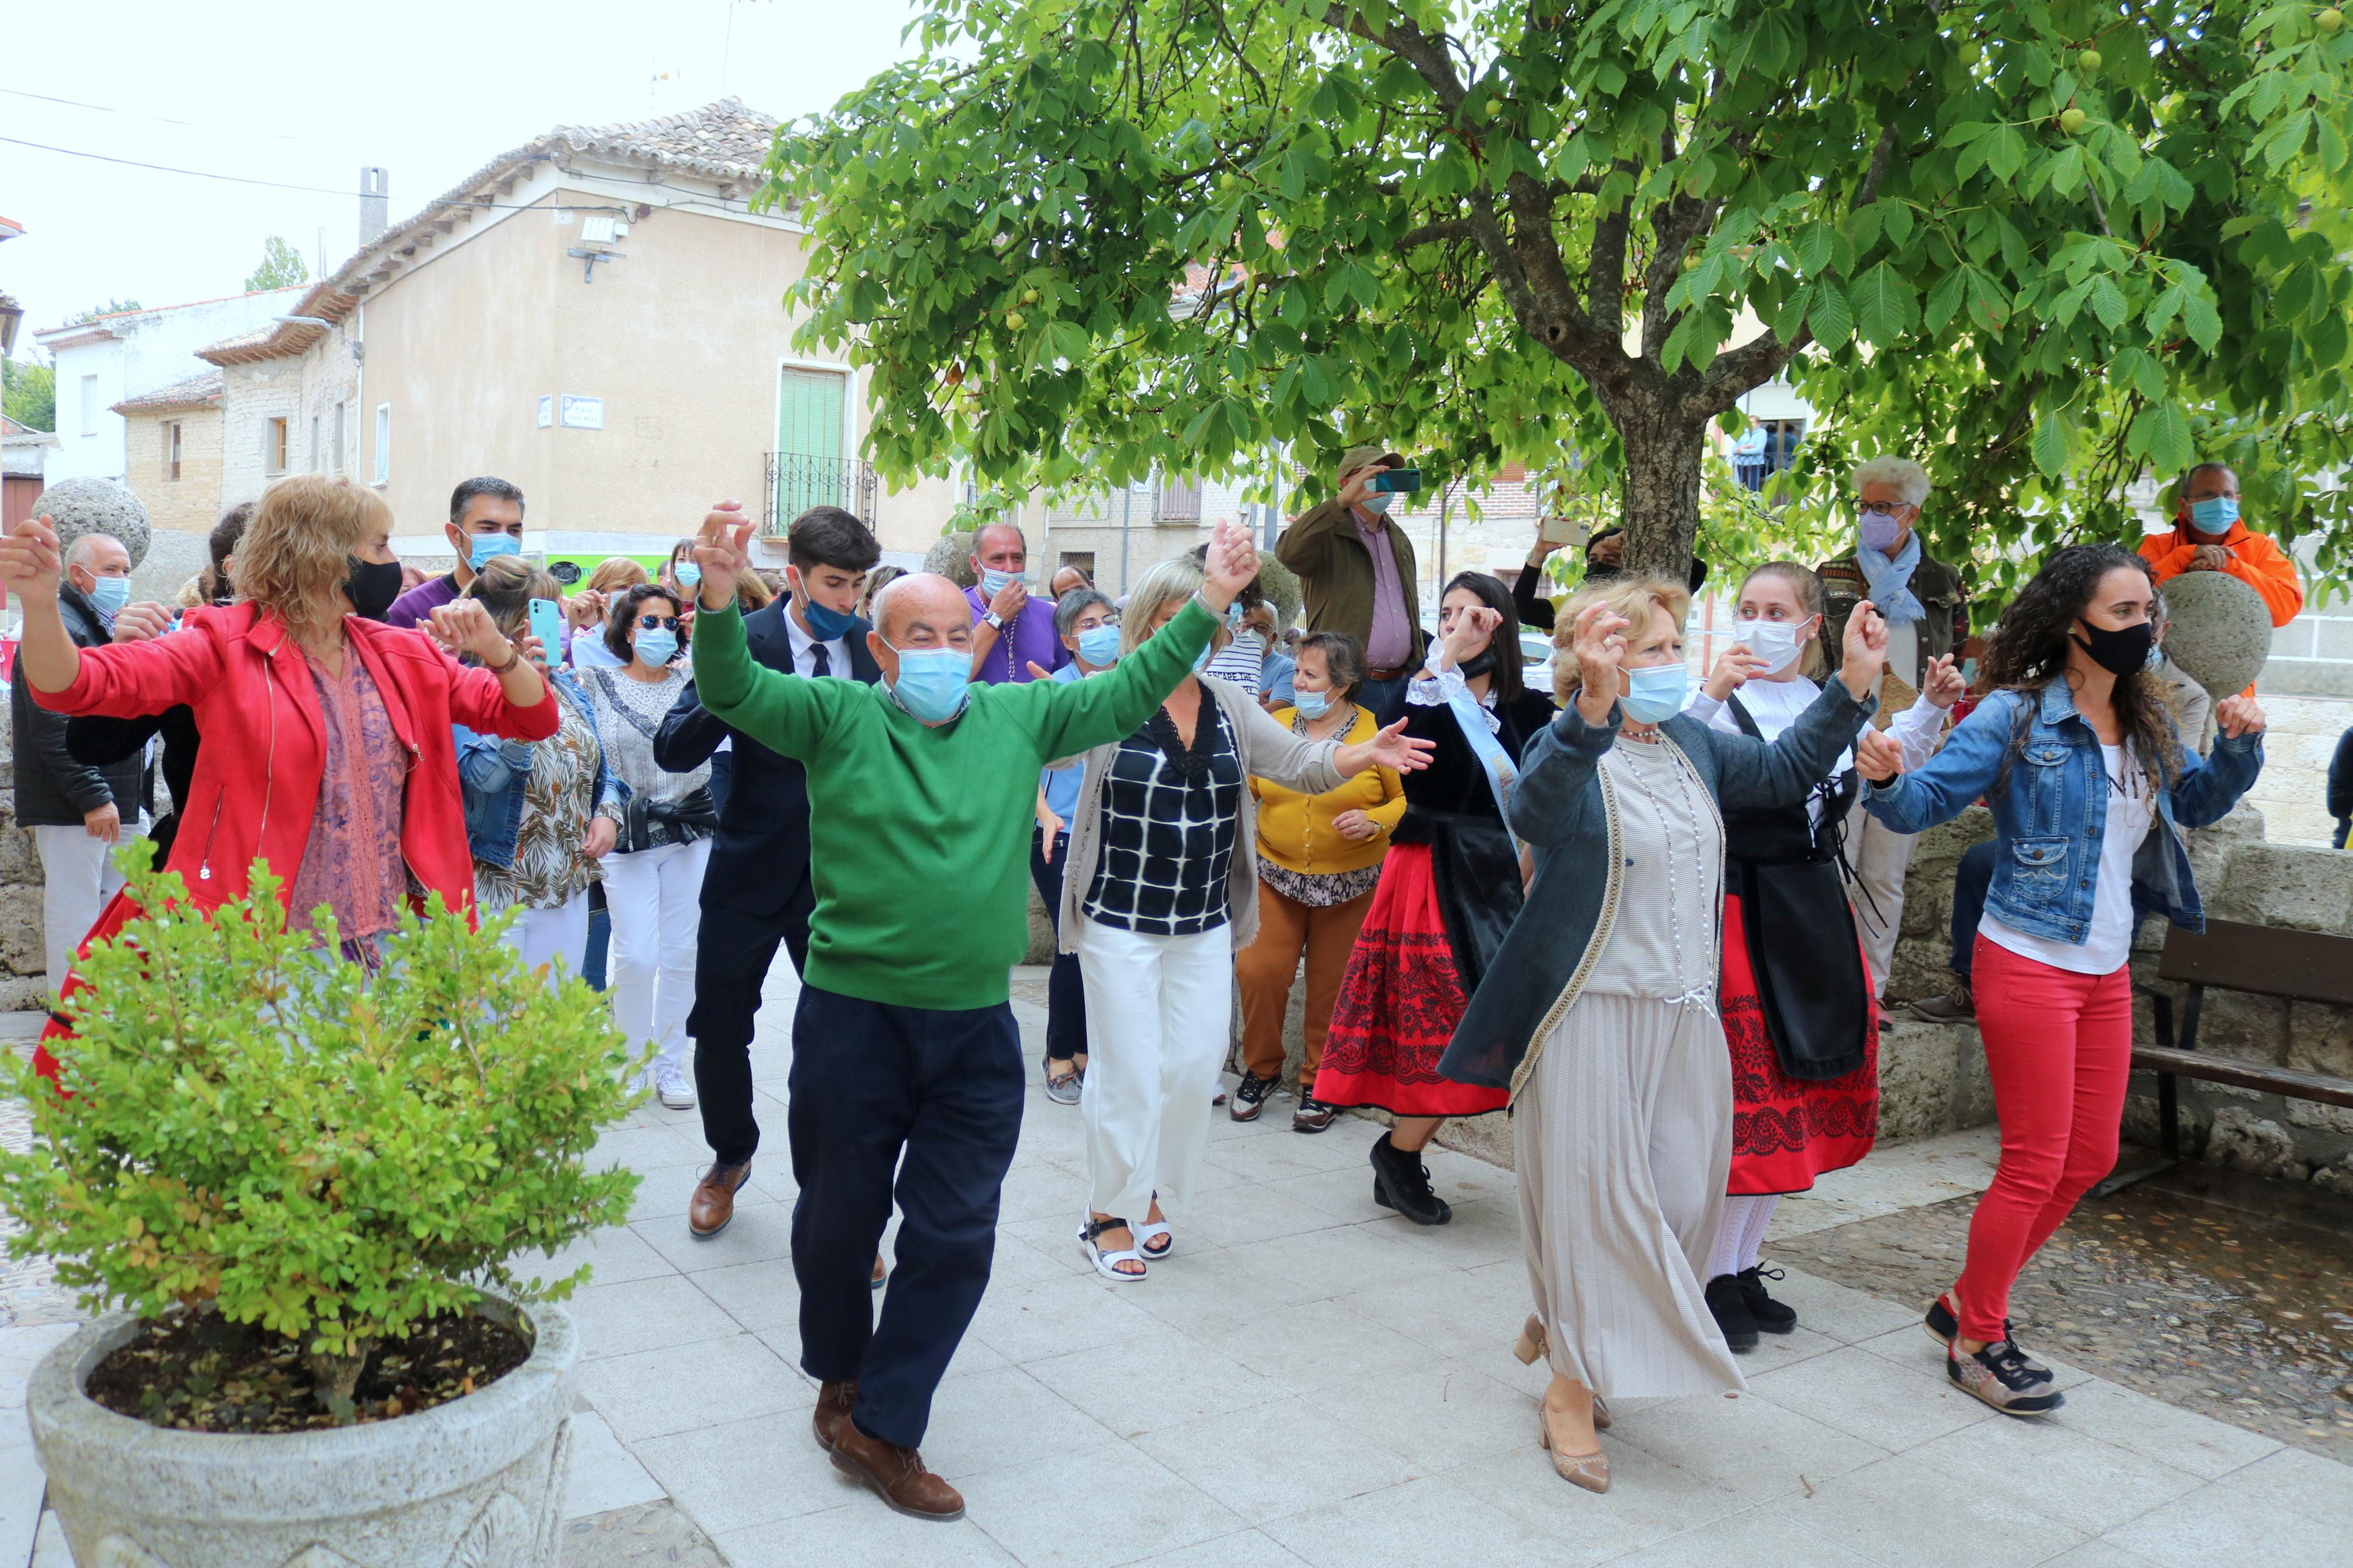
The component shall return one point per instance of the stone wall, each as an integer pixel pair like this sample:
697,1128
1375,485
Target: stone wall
24,957
191,503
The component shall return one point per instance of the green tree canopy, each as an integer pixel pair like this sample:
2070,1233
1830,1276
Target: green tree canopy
1077,239
281,268
112,308
30,394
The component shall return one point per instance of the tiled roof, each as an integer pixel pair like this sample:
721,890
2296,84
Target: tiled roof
724,143
196,392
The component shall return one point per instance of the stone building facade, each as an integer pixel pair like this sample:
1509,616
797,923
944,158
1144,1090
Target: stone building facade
171,442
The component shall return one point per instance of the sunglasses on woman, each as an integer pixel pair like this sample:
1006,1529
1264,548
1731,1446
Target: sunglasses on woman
647,623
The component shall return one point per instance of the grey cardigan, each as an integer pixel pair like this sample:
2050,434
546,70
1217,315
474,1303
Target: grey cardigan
1565,807
1265,749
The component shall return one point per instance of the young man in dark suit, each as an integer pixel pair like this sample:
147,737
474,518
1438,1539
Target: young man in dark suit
757,892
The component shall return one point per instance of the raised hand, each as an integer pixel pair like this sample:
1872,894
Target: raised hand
1233,561
142,621
1866,650
1473,630
463,625
584,609
1598,643
30,559
1009,599
1943,684
722,548
1878,755
1734,666
2238,715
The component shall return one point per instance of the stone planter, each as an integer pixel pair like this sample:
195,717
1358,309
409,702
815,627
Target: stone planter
475,1483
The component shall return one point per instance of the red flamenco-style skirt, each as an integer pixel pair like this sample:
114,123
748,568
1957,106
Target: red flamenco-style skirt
120,911
1785,1131
1399,1001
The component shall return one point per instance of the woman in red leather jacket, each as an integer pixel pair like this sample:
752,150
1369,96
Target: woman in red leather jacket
327,748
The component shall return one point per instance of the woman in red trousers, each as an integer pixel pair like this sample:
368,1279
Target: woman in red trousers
327,748
2090,786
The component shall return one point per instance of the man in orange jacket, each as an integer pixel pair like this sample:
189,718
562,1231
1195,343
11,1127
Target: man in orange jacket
2210,538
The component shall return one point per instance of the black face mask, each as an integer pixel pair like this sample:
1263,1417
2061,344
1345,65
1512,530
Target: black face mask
2119,652
372,586
1478,665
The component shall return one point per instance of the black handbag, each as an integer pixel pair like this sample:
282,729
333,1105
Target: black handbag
651,823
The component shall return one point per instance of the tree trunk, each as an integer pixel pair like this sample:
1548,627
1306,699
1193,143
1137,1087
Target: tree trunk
1663,456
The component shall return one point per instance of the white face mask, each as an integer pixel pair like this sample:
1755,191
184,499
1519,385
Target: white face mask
1775,642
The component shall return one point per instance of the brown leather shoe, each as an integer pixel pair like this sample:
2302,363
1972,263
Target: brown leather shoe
713,1203
896,1474
833,1403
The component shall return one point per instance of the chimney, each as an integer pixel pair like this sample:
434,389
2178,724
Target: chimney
376,202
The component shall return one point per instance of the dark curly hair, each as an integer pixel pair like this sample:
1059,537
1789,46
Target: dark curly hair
624,614
2028,651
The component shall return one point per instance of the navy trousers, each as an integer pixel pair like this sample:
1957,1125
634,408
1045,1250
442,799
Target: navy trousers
1972,879
935,1097
731,965
1066,991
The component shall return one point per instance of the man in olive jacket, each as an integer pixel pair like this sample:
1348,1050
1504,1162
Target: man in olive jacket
1356,569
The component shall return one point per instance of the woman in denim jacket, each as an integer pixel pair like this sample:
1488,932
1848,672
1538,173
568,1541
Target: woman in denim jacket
531,810
2090,785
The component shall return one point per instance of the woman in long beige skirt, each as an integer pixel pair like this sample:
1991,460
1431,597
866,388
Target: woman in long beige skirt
1598,1014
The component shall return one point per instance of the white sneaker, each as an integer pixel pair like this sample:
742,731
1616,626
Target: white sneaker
672,1086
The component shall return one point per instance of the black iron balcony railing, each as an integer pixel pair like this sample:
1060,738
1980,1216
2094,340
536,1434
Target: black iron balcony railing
797,482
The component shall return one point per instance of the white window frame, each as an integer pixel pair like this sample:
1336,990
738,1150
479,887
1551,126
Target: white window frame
849,377
171,450
89,404
277,437
383,443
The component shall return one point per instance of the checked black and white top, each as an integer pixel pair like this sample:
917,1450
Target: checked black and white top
1168,823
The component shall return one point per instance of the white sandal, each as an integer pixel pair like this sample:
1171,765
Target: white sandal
1150,1232
1105,1262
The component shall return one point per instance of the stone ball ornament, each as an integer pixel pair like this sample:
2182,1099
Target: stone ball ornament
2220,630
84,506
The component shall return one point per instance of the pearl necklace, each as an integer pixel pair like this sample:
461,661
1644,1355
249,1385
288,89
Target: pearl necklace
1704,993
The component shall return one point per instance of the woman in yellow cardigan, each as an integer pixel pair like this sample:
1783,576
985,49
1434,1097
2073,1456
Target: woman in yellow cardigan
1319,859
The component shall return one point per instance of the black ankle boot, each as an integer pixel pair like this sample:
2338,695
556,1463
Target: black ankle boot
1773,1317
1731,1310
1401,1182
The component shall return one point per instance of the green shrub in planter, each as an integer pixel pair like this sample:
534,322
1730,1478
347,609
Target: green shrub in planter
256,1125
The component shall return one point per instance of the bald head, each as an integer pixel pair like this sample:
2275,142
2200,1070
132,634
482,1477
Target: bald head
96,553
921,605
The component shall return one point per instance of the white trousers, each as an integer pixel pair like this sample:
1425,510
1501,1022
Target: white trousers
655,898
557,937
78,875
1880,858
1159,1009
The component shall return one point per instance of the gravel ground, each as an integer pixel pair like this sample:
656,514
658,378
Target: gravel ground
2221,1293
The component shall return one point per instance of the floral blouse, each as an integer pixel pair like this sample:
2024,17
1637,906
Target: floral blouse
352,861
550,866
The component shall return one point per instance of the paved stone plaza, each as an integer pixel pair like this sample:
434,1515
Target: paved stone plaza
1312,1381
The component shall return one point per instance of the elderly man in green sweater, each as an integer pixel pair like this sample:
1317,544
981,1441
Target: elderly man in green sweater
905,1057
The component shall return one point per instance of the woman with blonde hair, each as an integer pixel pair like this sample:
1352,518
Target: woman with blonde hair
1159,890
586,608
531,810
1598,1017
328,743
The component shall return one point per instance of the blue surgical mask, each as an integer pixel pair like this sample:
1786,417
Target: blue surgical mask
1379,501
488,547
1098,646
830,625
657,648
1311,704
109,595
2215,515
688,573
1655,694
2156,657
933,682
1201,660
995,583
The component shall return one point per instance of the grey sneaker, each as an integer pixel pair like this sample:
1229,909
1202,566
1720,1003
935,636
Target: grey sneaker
1955,1006
1251,1095
1999,1375
1062,1088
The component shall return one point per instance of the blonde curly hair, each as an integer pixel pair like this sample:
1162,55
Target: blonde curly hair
1634,599
297,553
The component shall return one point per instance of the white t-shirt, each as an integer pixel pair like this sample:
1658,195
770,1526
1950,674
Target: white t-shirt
2106,947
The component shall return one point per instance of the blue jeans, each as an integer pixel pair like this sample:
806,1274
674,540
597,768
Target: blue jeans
1375,695
1971,880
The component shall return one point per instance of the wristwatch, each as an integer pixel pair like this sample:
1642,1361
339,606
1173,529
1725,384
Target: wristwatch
991,619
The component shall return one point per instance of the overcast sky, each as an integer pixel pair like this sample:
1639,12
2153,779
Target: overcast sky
305,95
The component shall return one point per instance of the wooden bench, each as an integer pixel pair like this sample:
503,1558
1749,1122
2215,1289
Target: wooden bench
2263,961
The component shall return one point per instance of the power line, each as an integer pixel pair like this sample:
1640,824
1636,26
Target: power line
136,114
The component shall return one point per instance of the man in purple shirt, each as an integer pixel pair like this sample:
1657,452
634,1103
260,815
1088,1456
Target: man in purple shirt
485,520
1008,633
